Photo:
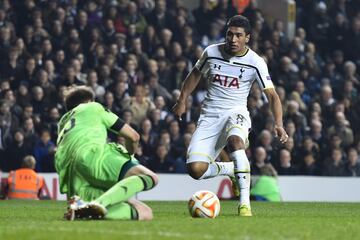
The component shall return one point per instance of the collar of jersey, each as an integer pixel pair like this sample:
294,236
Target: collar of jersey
242,55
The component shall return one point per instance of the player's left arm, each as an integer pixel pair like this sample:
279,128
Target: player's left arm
266,84
132,138
275,104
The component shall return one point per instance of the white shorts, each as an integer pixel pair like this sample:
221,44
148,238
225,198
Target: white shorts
212,132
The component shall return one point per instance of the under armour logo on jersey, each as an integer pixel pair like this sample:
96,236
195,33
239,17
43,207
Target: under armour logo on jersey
217,66
241,72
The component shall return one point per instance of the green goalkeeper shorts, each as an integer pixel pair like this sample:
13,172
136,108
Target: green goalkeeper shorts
99,170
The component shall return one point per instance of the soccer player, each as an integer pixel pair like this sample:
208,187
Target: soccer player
230,69
99,177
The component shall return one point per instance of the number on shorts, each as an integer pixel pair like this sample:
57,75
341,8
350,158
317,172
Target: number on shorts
240,119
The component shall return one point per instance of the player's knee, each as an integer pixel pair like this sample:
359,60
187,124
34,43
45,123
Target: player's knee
155,179
197,169
235,143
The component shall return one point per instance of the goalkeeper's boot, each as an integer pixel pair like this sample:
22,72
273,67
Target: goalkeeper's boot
244,210
235,186
79,209
73,204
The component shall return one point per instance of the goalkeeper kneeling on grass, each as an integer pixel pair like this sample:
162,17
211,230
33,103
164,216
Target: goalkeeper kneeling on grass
98,177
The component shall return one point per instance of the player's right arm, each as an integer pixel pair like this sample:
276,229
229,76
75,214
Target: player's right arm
190,83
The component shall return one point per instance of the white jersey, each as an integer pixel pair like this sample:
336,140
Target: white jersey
230,77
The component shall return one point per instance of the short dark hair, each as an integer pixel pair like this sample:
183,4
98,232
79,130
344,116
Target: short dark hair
239,21
76,95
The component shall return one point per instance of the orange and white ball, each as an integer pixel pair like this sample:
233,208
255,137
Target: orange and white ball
204,204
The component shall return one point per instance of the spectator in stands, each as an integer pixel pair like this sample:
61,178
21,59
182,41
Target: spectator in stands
48,87
44,151
175,138
51,121
352,44
11,67
159,17
8,122
308,146
109,103
297,117
350,74
156,89
10,98
25,183
334,166
327,103
133,16
76,64
290,128
338,31
342,128
316,132
15,152
177,72
309,165
285,166
290,146
157,123
319,27
28,74
139,105
265,140
259,160
92,81
180,162
39,103
304,94
147,138
203,16
352,167
162,162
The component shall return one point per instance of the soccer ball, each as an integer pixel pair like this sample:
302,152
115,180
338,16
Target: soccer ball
204,204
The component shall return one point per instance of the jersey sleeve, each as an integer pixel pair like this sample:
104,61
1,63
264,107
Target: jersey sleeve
201,62
262,74
111,121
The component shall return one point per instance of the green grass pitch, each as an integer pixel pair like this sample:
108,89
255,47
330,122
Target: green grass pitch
290,221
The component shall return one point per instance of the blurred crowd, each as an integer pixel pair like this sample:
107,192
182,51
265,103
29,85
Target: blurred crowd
135,55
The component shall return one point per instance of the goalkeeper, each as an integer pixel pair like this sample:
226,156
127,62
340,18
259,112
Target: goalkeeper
98,177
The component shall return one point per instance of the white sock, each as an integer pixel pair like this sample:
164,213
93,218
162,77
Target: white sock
219,169
242,173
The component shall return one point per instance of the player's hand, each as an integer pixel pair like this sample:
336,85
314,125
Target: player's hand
179,109
281,134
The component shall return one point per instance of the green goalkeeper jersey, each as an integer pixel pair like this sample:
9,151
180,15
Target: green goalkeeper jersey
80,131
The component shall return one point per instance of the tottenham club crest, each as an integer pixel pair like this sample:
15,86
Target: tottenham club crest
241,72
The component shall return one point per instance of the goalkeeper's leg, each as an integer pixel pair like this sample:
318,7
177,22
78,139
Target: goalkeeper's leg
136,179
130,210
